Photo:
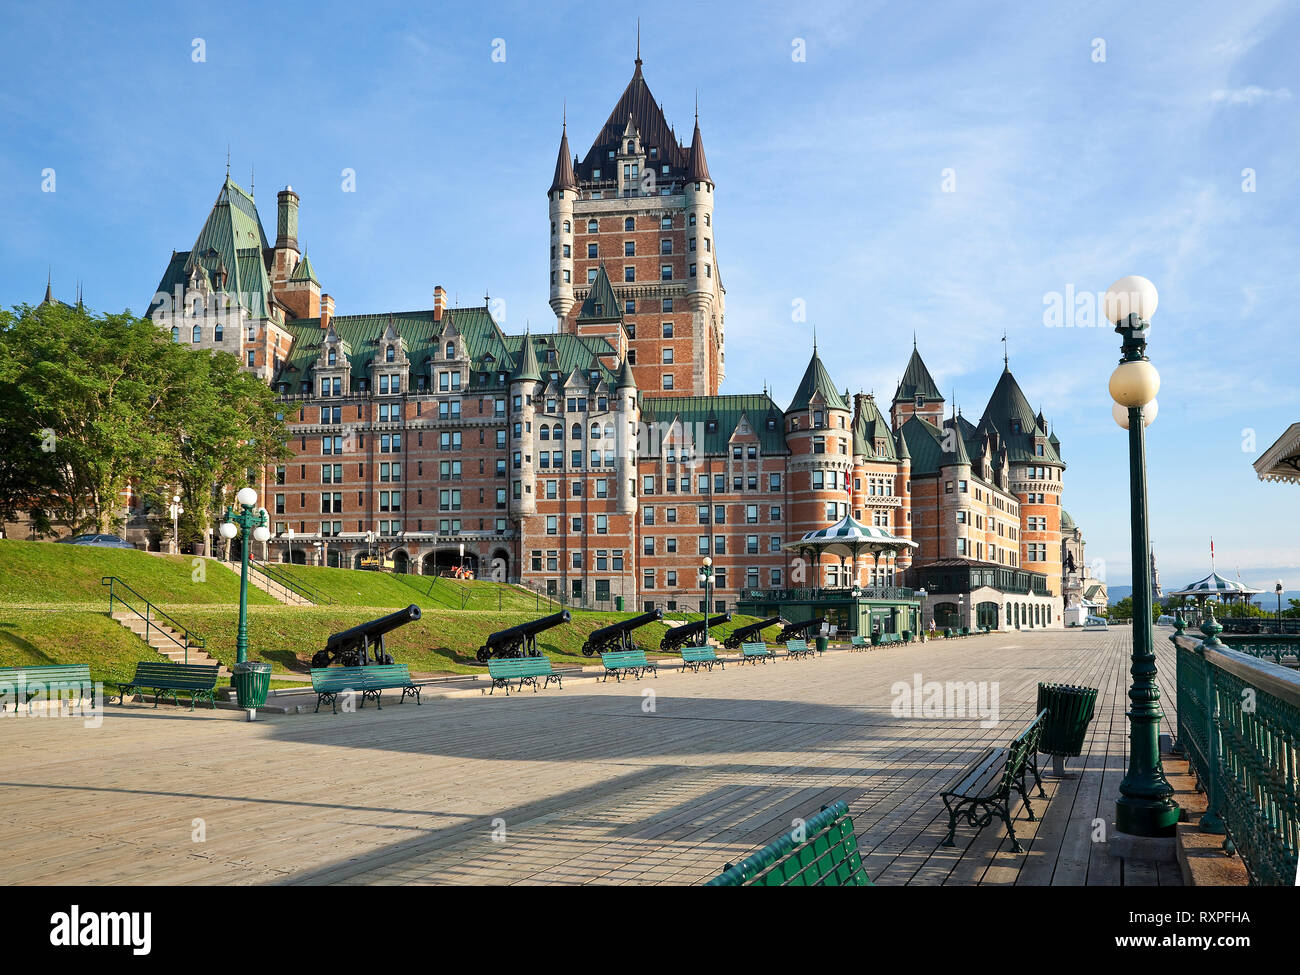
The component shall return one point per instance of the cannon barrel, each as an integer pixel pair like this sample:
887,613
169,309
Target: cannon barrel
678,635
352,646
793,629
617,633
513,640
741,633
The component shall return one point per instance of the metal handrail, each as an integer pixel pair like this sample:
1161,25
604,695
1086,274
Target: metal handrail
1239,721
151,612
286,581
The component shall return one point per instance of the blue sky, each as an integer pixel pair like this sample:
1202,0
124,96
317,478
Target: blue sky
1066,172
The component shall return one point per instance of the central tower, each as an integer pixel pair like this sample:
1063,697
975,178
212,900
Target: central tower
632,227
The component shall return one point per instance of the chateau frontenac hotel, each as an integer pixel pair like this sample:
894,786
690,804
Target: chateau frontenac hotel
602,462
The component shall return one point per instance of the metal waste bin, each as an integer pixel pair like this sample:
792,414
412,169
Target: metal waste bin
1069,712
618,603
822,643
252,680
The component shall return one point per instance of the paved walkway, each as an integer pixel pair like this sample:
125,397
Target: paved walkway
595,783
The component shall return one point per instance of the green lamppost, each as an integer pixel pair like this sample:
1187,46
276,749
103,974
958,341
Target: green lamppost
252,522
706,580
1146,806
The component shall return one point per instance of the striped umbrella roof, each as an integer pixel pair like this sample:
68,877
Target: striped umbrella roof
1216,584
848,536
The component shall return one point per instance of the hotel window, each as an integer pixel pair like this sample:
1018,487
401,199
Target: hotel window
629,224
629,273
668,380
591,224
648,582
665,272
667,356
552,524
648,545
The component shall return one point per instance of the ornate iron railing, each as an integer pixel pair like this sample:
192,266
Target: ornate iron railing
118,592
1239,723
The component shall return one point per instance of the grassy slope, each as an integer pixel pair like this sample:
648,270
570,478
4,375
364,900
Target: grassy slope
42,573
36,638
440,641
352,587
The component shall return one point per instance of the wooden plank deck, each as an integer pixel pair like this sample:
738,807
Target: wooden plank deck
584,785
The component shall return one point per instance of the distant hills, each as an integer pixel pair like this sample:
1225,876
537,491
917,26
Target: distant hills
1266,600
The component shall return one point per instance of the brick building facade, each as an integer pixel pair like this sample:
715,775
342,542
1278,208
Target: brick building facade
600,461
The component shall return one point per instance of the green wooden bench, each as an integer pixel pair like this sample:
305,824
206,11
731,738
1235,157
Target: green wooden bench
620,662
693,658
752,653
524,669
794,649
370,681
982,790
25,683
891,638
168,680
859,643
823,852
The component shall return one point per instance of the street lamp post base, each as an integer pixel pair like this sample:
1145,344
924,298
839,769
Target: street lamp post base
1147,817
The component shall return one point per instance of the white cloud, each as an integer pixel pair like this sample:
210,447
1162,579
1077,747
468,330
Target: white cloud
1249,95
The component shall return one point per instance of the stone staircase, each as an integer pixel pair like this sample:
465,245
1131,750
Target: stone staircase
166,641
275,590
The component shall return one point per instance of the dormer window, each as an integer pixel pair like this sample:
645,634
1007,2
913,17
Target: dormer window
332,357
389,354
1015,426
451,350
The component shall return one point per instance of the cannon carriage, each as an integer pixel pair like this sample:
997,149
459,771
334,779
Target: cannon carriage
801,630
521,640
618,636
689,633
363,645
750,631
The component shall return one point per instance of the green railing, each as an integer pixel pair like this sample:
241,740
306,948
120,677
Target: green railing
150,614
282,578
1239,724
1279,649
820,594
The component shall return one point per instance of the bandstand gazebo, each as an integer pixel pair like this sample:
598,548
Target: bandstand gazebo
1217,587
835,590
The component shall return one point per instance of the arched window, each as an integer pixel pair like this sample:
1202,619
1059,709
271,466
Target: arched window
609,431
576,432
218,332
176,334
629,224
595,431
546,432
557,432
591,226
197,334
332,357
567,226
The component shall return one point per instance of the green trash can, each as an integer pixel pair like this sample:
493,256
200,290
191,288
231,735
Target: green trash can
618,603
822,643
907,636
875,638
1069,712
252,680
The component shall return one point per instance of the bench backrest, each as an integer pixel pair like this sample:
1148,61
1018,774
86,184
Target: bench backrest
823,853
359,678
796,646
624,658
857,641
758,649
519,666
1021,749
698,653
54,674
159,674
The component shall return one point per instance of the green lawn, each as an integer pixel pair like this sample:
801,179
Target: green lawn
354,587
45,573
38,637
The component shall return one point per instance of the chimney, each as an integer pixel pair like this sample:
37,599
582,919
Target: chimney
326,310
439,302
286,218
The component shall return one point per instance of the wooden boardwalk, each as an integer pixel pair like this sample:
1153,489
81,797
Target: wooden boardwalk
593,784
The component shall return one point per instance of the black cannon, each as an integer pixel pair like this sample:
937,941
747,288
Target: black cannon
618,636
680,636
742,633
364,644
521,640
792,631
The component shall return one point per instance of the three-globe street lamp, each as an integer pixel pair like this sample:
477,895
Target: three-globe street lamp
1277,588
289,535
175,510
706,580
1146,806
248,520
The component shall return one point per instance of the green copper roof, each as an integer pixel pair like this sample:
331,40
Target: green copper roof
1011,417
625,380
816,380
304,272
602,303
868,427
917,381
900,445
923,440
718,417
1067,523
954,442
526,367
230,253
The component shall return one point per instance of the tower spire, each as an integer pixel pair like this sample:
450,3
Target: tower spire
227,162
1005,360
638,42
